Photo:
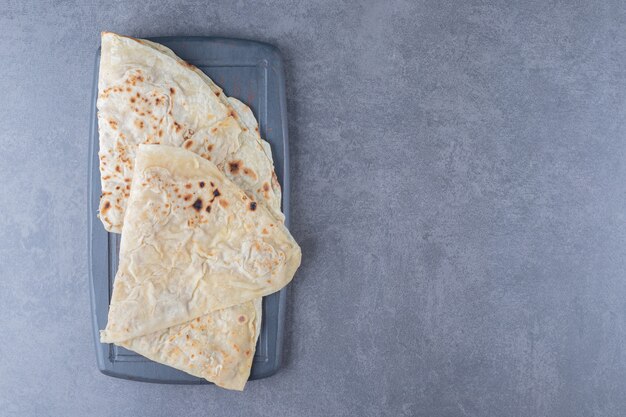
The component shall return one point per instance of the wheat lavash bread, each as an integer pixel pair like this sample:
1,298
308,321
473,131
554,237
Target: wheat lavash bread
218,346
192,243
201,350
146,94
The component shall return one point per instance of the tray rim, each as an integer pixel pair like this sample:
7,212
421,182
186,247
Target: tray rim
105,365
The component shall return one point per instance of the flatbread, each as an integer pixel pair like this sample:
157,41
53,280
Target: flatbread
218,346
146,94
192,243
223,357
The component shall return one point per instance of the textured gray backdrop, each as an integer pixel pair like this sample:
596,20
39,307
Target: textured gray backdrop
458,192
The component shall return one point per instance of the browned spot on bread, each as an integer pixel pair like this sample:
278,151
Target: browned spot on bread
201,184
208,209
128,89
213,130
187,337
157,101
127,187
133,99
256,128
177,127
106,177
232,113
193,356
211,182
172,90
216,192
188,186
186,64
139,123
249,173
242,319
218,93
118,169
187,197
113,124
197,205
223,203
247,353
117,187
210,147
176,189
134,78
252,206
266,187
105,207
188,144
160,133
126,179
265,232
234,167
236,347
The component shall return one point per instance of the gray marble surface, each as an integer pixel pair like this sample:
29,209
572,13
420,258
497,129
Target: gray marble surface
458,192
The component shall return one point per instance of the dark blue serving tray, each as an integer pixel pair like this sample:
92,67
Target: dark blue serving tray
252,72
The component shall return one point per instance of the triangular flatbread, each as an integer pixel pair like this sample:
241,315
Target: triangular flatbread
192,243
146,94
218,346
137,79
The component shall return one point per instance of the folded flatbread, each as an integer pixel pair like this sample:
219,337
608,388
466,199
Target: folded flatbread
149,95
218,346
146,94
192,243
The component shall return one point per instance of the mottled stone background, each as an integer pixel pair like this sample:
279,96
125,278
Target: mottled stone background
458,192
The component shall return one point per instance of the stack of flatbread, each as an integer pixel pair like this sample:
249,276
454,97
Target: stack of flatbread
190,185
